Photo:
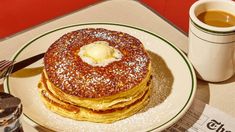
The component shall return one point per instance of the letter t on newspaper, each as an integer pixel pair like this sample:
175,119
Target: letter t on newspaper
203,118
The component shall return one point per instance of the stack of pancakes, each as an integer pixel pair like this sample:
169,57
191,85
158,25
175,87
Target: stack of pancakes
75,89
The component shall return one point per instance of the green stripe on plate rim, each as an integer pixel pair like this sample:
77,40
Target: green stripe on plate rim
78,25
212,32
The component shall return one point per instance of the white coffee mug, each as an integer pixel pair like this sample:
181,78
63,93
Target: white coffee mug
211,49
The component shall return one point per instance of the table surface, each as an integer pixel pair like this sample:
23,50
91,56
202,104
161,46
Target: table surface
219,95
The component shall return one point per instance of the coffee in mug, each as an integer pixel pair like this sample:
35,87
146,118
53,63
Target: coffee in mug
212,39
217,18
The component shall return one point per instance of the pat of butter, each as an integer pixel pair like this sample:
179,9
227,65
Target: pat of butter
99,51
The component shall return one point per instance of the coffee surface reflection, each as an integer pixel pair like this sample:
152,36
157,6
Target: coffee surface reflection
217,18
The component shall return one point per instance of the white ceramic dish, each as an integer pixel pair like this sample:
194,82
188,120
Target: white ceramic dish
157,117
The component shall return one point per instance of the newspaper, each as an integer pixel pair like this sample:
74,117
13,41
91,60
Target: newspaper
203,118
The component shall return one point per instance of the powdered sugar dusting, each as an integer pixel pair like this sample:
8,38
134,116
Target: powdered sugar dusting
161,88
68,71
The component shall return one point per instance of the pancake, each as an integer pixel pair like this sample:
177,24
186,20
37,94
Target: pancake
119,100
103,75
85,114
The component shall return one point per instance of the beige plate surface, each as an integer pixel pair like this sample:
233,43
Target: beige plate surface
157,117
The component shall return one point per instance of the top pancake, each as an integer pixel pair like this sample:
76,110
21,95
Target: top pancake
66,70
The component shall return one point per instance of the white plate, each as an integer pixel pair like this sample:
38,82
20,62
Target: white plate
158,117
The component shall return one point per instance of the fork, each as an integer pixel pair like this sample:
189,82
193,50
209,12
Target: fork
4,67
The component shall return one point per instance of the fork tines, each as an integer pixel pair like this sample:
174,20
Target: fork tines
5,64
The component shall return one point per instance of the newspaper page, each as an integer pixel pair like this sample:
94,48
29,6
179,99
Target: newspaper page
203,118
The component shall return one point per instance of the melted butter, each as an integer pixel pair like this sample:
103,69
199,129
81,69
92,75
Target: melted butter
99,53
